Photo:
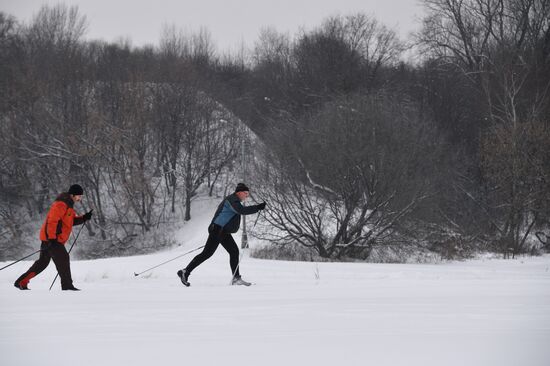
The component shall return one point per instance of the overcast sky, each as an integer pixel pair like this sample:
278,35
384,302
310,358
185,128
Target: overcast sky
230,22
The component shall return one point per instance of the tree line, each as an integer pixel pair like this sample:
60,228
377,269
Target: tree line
135,126
359,151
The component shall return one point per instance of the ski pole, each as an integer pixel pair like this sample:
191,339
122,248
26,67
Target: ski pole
19,260
163,263
256,221
71,248
242,253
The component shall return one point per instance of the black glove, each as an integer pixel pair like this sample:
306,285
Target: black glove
260,206
87,216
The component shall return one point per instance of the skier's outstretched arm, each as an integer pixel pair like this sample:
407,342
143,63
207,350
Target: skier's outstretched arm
246,210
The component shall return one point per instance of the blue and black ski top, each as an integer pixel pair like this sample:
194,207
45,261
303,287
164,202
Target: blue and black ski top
228,214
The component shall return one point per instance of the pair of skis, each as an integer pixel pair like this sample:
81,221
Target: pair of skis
235,281
183,279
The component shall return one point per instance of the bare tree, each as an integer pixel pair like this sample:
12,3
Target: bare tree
345,186
376,44
501,46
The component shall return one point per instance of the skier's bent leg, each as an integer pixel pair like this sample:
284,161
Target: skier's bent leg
207,252
38,266
233,249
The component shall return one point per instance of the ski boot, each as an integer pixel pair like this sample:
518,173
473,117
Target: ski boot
184,276
238,281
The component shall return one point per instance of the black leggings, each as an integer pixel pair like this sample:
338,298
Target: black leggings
60,257
217,236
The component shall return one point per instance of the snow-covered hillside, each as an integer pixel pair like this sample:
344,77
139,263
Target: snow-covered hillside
478,313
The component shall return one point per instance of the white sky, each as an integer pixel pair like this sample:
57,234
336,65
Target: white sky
230,22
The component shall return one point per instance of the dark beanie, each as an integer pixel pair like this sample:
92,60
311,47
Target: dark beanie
76,190
241,187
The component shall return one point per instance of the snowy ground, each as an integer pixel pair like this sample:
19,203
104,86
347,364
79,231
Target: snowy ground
484,312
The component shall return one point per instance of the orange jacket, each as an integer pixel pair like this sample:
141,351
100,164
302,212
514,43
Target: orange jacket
60,220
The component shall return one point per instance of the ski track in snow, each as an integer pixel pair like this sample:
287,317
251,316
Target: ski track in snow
475,313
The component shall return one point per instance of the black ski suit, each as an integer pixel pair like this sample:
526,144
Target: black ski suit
226,221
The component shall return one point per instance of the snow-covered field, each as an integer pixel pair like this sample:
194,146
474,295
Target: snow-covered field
483,312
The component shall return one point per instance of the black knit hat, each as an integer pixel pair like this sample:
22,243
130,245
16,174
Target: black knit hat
241,187
76,190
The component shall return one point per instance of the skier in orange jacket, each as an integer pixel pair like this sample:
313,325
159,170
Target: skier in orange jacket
54,234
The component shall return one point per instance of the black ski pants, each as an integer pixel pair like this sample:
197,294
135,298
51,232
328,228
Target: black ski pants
60,256
217,236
